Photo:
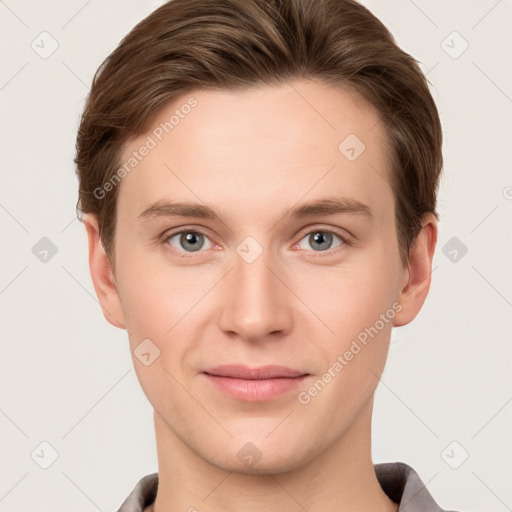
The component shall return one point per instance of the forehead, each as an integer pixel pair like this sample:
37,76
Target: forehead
268,143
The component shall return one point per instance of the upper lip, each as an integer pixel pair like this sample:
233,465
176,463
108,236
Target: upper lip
261,372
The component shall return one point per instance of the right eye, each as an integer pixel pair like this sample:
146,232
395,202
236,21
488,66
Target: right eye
187,241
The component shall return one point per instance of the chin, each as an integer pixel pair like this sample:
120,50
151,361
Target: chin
275,465
260,456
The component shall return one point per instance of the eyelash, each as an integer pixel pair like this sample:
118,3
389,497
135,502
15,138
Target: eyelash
345,241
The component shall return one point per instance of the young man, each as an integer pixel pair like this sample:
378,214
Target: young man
258,183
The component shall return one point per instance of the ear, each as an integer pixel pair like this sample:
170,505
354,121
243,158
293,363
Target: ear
102,275
417,276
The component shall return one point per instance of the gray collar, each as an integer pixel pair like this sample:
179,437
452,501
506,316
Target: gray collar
398,480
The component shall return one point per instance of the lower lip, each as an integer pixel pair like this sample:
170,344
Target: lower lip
255,390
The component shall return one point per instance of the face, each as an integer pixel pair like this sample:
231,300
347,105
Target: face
289,257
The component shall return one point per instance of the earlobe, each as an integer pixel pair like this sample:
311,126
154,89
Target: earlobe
102,275
418,274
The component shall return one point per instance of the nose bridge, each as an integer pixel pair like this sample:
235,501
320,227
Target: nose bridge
255,305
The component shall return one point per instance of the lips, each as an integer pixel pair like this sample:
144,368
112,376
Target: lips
259,384
259,373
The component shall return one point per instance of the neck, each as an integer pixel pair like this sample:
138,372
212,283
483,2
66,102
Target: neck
339,479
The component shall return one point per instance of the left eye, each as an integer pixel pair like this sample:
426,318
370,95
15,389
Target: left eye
321,239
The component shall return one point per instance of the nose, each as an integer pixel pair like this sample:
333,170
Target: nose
257,301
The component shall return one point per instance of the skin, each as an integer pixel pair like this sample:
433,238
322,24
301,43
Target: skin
251,156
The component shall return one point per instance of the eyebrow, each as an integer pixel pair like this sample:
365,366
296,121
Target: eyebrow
324,206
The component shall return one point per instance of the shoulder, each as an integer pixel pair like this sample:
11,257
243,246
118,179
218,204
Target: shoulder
142,496
404,486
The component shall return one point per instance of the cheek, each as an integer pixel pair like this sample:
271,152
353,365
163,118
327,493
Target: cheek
356,302
156,296
348,298
169,307
355,356
153,305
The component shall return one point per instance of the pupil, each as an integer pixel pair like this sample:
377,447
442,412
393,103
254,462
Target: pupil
320,237
193,239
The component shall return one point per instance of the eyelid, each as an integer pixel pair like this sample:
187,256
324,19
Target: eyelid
345,235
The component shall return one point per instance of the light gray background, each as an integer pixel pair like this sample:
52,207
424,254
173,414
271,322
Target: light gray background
66,374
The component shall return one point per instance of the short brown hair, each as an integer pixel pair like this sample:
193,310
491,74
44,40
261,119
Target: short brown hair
187,45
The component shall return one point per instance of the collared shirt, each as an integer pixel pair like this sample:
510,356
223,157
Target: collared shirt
398,480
